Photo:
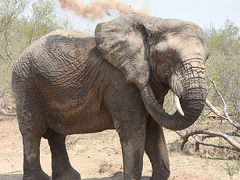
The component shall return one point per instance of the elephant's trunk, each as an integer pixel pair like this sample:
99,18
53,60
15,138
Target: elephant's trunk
192,101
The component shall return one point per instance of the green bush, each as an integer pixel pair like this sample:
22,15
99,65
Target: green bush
21,23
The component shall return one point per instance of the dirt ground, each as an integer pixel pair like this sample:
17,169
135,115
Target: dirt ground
98,157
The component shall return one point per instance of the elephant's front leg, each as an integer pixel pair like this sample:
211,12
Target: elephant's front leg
156,150
61,167
129,117
133,150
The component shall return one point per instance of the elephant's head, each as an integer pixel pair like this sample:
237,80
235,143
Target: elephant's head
170,52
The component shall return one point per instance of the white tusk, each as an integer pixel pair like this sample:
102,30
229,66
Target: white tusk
212,108
177,102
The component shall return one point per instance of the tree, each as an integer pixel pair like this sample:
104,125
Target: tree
21,23
224,63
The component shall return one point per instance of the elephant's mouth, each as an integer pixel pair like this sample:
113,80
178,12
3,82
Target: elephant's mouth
178,104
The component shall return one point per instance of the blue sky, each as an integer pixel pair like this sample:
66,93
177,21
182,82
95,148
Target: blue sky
202,12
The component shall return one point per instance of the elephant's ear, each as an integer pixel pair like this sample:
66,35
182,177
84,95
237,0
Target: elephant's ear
122,43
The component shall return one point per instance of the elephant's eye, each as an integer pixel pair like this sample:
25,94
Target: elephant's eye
159,56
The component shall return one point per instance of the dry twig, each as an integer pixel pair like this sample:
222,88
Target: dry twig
210,134
5,113
236,145
226,115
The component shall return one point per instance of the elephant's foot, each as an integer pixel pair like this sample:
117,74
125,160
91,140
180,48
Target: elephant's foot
37,175
157,178
69,174
160,176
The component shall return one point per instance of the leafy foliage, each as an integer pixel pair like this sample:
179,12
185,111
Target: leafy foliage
224,62
21,23
232,169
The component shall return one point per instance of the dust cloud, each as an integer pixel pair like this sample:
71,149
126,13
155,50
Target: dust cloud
98,9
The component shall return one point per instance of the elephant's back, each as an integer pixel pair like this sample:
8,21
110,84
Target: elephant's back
52,51
56,63
66,45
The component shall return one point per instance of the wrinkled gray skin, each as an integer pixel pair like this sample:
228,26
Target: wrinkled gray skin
67,83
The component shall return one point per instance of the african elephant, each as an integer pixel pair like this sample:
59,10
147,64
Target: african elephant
68,82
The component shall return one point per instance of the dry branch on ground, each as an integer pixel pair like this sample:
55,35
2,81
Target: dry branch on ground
200,135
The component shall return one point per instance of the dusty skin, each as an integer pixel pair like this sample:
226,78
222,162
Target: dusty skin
98,157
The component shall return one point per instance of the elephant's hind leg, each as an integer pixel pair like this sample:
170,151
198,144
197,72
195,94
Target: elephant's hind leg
32,126
61,168
32,168
156,150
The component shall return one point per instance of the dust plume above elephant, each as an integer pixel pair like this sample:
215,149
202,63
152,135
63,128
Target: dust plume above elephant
68,82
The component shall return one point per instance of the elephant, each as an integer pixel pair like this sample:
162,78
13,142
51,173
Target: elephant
68,82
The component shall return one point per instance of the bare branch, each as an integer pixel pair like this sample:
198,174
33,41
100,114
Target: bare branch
5,59
5,113
231,141
8,20
215,145
6,48
213,108
226,115
179,133
232,133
